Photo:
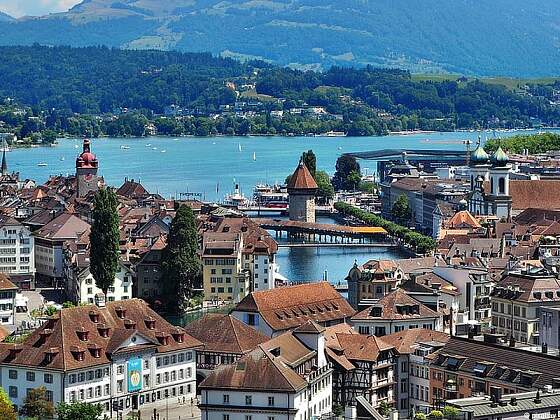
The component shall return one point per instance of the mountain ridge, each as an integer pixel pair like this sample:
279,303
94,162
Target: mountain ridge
499,38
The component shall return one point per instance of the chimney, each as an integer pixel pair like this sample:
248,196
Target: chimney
100,300
537,399
544,348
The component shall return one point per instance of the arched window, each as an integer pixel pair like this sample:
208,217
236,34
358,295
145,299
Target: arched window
502,185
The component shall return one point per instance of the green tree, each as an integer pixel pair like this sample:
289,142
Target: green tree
420,416
7,411
180,263
345,164
435,414
326,189
353,180
384,408
50,310
79,411
401,211
104,238
450,412
310,160
37,405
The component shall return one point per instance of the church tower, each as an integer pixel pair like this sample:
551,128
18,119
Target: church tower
499,197
479,167
86,171
301,190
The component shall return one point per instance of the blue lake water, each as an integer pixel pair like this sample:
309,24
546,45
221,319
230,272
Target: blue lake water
211,166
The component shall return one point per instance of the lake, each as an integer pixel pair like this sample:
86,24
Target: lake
211,166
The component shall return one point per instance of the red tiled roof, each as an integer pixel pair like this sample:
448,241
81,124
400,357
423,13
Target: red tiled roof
6,284
302,179
65,226
405,341
289,307
535,193
60,336
225,334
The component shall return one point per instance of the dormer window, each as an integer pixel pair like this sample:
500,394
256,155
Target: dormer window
376,311
94,316
50,354
150,323
103,330
82,334
120,311
178,336
163,338
95,350
129,324
78,352
14,351
44,335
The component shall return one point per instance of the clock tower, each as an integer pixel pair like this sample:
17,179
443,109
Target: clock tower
86,171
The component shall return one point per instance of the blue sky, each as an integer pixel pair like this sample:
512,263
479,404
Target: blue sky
18,8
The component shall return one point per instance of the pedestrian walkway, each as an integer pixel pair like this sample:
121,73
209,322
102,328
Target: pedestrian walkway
171,409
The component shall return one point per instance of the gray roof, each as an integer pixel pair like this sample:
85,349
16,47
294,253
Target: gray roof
525,402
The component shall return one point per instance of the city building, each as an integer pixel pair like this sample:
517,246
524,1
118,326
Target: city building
412,371
466,368
274,311
86,171
396,312
148,270
538,404
225,340
123,356
8,291
517,303
50,243
362,366
286,378
301,190
372,280
17,258
549,327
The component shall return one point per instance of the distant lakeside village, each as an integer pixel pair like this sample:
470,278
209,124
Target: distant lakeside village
466,327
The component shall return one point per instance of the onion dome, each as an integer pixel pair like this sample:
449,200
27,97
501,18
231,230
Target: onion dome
479,156
500,158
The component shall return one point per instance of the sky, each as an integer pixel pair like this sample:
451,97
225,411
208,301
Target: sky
18,8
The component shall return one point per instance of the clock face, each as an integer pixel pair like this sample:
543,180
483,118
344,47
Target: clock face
135,378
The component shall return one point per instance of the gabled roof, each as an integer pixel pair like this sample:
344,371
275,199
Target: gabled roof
225,334
60,338
257,371
5,283
8,221
464,218
131,189
65,226
302,179
534,193
389,305
405,341
289,307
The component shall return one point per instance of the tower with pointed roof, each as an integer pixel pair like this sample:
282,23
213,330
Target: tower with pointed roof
86,171
301,190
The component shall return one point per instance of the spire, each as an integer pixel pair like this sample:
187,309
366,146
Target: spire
4,161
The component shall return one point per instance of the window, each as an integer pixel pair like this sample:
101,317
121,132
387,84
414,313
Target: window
48,378
271,401
120,385
12,374
13,392
226,399
248,417
30,376
363,330
225,417
248,400
120,369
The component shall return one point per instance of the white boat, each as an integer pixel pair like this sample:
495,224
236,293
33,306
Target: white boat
149,145
163,151
62,158
75,146
154,148
239,147
236,199
125,147
254,156
42,164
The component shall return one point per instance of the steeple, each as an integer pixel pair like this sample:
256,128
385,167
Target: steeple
4,161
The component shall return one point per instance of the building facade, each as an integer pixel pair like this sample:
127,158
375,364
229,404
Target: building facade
17,252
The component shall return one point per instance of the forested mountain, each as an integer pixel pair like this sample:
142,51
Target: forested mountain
473,37
99,80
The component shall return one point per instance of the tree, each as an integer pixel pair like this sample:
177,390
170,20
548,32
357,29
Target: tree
345,164
326,189
37,405
435,414
7,411
104,238
384,408
310,160
79,411
450,412
353,180
180,263
401,210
